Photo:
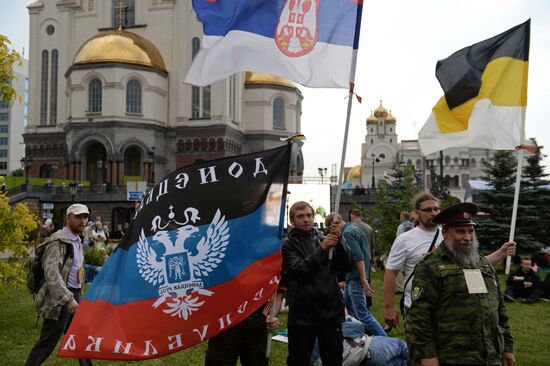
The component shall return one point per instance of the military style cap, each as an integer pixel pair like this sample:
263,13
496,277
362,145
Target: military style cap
457,215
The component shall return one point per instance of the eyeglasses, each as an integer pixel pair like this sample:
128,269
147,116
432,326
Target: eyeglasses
429,209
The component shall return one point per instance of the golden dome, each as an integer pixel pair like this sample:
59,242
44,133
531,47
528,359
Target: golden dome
119,46
391,118
354,173
371,120
256,78
381,112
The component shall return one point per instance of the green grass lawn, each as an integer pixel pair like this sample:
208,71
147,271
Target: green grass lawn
530,328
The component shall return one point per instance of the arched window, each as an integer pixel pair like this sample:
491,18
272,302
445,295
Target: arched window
447,160
409,162
44,89
418,163
94,96
132,162
45,171
278,113
133,97
53,88
473,162
200,96
127,15
456,161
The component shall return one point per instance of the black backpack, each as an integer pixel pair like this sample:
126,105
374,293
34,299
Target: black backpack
34,269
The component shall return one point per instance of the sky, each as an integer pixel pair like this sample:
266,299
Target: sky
401,41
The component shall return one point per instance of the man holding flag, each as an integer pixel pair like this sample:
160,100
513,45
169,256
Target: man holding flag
316,307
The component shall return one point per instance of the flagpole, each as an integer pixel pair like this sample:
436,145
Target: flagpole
516,192
353,68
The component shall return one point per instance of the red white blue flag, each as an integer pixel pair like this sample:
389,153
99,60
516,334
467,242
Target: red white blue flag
312,42
202,254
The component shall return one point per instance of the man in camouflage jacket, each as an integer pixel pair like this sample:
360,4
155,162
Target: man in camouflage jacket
458,315
58,298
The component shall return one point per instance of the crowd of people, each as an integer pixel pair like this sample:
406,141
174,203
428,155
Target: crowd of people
453,307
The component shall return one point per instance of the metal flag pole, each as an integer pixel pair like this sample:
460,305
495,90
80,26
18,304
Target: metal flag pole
353,69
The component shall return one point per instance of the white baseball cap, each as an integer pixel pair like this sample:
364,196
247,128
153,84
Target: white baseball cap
78,209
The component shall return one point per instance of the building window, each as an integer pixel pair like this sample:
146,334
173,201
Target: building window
3,105
391,129
391,140
4,129
409,162
278,113
44,89
50,29
4,116
200,96
53,88
3,140
3,165
127,14
473,162
90,5
371,141
418,163
3,153
455,161
133,97
94,96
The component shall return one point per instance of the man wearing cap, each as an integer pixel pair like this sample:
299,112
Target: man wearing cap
457,314
58,299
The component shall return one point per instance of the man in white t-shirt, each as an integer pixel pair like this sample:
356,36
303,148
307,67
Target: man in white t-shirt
410,247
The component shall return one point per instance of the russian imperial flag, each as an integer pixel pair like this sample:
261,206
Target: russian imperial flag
485,98
201,255
312,42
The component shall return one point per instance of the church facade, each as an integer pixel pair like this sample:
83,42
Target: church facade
381,151
107,99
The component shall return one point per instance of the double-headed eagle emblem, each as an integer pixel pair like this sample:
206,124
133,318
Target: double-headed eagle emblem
171,261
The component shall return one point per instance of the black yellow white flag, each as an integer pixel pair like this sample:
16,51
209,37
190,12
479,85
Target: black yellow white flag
485,97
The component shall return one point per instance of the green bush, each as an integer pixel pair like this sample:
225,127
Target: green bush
96,257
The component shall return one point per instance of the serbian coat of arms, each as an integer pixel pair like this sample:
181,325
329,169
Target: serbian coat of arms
296,32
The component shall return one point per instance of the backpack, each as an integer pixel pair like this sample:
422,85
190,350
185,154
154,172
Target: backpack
34,269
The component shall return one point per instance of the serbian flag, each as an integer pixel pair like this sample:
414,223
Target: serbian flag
201,255
485,98
312,42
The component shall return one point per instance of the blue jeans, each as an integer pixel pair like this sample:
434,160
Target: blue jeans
386,351
356,303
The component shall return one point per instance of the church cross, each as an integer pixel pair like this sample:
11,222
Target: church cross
120,6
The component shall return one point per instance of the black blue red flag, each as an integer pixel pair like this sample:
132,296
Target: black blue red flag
201,255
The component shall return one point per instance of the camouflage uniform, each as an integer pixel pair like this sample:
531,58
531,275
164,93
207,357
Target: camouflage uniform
54,294
449,323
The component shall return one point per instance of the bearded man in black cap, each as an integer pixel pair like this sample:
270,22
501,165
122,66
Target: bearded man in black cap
458,315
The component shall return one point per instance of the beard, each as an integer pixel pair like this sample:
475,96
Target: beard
467,256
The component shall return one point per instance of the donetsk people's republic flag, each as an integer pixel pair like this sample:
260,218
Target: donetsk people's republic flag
485,98
311,42
202,254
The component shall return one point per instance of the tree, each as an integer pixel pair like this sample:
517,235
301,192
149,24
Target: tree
391,199
535,198
498,202
17,224
8,58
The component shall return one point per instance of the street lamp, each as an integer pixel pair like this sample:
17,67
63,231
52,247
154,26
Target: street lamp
54,167
73,186
376,160
322,173
26,165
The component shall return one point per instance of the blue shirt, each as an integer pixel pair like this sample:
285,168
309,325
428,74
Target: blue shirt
78,260
360,251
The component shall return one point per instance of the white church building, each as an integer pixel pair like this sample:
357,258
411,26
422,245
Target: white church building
107,98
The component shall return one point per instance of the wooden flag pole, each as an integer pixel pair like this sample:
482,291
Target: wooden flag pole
516,192
515,207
